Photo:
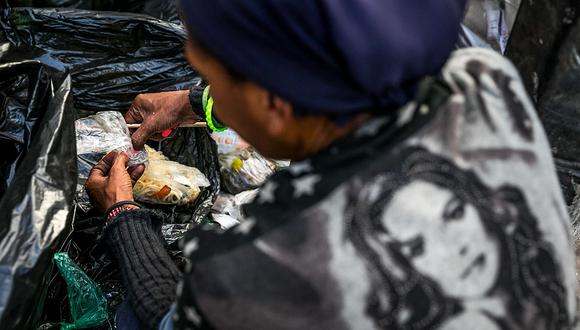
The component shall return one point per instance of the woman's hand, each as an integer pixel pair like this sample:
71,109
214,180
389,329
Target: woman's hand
110,182
158,112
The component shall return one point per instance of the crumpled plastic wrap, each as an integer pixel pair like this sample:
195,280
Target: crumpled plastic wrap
227,209
229,141
558,109
87,303
534,46
105,132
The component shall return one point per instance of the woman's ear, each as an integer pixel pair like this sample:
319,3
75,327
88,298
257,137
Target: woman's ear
280,115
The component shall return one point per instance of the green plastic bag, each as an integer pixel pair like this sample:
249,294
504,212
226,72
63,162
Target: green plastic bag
88,305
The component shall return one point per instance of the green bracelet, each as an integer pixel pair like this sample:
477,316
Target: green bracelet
207,102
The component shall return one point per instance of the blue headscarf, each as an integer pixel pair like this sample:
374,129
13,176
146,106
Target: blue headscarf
334,57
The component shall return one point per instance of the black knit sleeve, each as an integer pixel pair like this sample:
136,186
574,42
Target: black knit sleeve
150,276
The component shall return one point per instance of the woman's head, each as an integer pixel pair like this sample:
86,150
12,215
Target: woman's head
316,59
271,124
437,228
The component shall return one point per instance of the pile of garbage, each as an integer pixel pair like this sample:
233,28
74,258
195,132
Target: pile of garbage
68,68
243,170
58,66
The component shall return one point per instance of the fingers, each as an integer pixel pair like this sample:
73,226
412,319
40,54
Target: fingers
136,172
104,165
119,170
141,136
133,115
120,163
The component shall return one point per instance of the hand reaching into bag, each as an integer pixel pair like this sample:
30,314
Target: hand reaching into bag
158,112
110,181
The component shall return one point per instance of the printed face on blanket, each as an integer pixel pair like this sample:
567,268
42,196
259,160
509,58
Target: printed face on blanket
459,245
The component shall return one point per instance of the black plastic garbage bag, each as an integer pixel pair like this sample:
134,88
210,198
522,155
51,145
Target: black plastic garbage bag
17,108
36,117
546,55
163,9
537,36
560,113
112,57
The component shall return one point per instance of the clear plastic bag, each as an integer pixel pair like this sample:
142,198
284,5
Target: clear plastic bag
231,205
96,136
245,170
105,132
241,167
168,183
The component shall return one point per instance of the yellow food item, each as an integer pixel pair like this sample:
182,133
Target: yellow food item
237,164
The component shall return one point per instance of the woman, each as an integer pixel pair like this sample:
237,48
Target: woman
343,88
473,253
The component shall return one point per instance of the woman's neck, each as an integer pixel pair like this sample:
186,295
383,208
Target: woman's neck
315,134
